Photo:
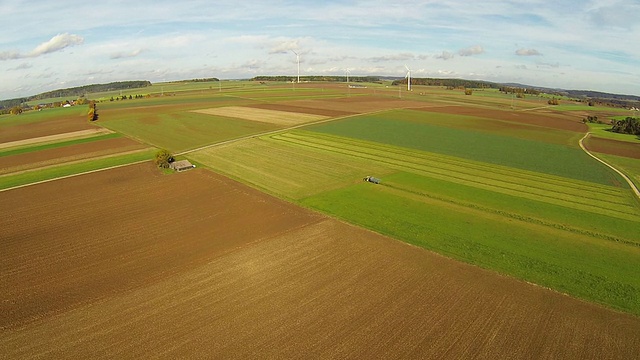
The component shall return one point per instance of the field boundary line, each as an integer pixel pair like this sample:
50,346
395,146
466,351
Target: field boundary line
72,175
277,131
625,177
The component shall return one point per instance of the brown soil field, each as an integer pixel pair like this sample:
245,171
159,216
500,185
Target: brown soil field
262,115
559,121
194,265
358,104
44,128
613,147
64,154
56,137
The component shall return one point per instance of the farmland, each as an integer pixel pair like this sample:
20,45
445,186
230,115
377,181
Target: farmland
506,215
127,287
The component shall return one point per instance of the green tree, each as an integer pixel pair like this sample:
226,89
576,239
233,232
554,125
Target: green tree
93,111
162,158
627,126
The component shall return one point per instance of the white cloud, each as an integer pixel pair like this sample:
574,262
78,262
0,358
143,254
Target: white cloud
472,50
122,55
10,55
393,57
57,43
527,52
445,55
284,46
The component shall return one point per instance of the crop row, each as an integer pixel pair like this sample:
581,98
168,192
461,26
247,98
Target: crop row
542,187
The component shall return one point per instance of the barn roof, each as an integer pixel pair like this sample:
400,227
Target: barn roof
181,165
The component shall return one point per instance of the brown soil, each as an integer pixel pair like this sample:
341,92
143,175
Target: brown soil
559,121
44,128
613,147
64,154
358,104
128,263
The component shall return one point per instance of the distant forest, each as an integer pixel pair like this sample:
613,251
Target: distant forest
76,92
369,79
455,83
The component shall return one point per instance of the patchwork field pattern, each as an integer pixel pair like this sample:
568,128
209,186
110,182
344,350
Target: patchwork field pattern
253,276
262,115
95,147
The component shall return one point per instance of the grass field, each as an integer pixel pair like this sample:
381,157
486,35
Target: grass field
404,128
519,222
464,177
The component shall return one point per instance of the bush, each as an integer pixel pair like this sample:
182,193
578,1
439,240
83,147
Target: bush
162,158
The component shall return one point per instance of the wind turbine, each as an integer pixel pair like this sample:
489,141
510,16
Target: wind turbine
298,61
408,78
347,71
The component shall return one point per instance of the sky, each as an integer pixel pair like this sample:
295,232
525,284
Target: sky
585,45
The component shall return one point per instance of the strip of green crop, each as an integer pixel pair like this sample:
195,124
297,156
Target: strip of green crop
29,177
602,271
28,149
400,128
536,212
565,192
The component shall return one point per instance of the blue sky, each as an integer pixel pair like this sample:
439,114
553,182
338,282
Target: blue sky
592,45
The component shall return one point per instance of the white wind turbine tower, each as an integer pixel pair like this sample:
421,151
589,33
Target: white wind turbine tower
408,78
347,71
298,61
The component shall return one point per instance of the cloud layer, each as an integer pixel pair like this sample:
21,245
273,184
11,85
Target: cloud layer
57,43
586,44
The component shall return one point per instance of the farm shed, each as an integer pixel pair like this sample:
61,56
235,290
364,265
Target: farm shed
181,165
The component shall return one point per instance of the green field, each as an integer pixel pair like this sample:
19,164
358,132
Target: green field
519,199
532,225
68,169
53,145
404,128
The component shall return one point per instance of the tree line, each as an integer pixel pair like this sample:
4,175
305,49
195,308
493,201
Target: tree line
629,125
326,78
75,92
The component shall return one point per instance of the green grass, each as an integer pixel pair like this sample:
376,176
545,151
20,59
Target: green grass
546,256
602,130
44,115
576,194
629,166
48,173
179,131
286,171
532,210
403,128
28,149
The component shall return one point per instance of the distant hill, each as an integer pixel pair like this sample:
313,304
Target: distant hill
76,92
328,78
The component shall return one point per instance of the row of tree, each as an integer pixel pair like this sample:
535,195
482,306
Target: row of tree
629,125
323,78
75,92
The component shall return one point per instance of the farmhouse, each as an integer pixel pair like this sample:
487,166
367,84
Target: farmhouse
181,165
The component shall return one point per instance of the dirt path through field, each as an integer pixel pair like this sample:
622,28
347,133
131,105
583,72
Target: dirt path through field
625,177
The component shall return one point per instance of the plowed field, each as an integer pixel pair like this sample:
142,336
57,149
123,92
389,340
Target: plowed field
553,121
64,154
128,263
613,147
59,125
